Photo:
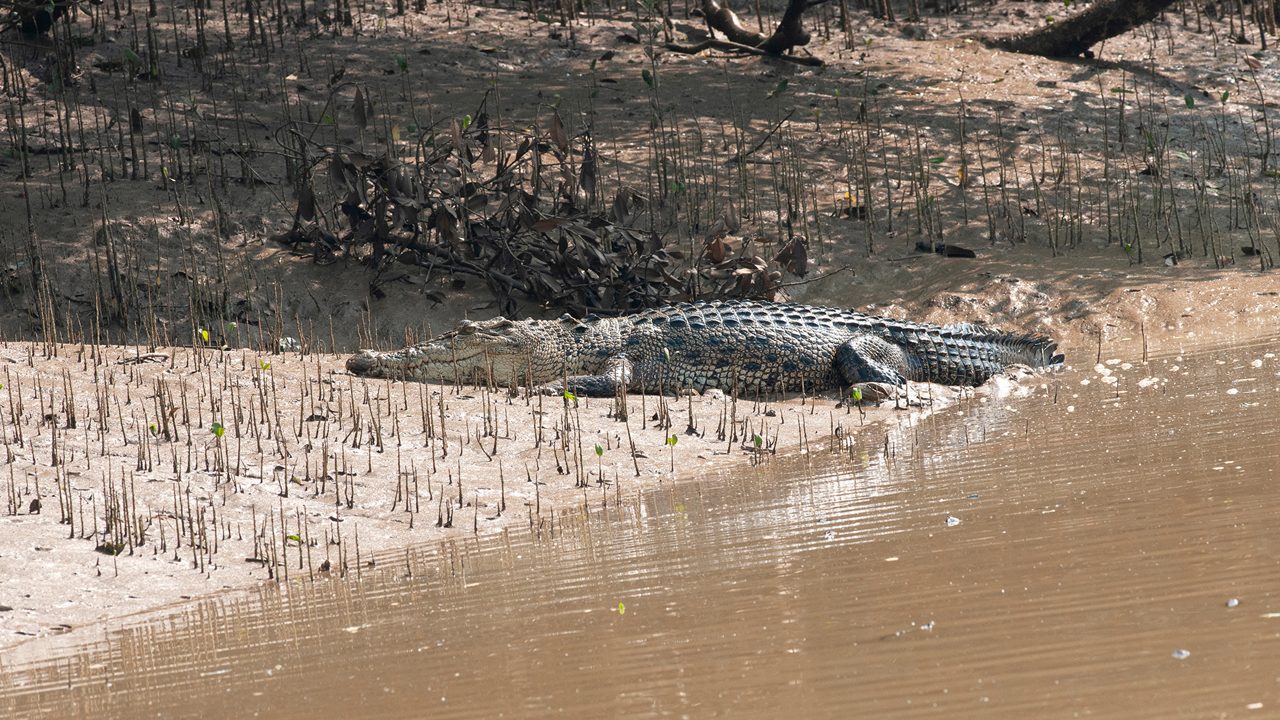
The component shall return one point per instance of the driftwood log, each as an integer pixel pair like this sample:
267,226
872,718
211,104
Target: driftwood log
1075,35
789,34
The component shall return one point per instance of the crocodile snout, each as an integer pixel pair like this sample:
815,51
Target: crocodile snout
362,363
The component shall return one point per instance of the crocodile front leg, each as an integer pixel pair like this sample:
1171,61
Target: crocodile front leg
873,364
615,376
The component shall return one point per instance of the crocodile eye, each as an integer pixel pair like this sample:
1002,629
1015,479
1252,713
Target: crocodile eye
465,327
501,323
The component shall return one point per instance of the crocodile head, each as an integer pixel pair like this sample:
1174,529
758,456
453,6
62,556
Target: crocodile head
514,351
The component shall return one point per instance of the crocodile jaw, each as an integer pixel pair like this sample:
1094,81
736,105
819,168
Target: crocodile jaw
506,350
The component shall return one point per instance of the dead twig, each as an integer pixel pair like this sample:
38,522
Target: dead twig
743,155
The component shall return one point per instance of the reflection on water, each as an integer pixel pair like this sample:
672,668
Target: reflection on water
1097,549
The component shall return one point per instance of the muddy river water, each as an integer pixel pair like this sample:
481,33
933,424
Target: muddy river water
1106,547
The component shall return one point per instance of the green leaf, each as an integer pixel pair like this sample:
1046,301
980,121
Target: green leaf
466,121
1189,99
622,608
570,396
938,160
777,89
204,335
647,76
757,440
672,440
233,326
217,429
402,62
152,427
294,538
857,394
1225,94
264,364
599,450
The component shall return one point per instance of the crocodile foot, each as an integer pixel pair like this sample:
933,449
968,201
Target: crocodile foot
871,393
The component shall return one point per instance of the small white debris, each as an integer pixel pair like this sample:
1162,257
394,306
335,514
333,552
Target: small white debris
1181,654
1126,366
1256,363
1233,602
952,521
1233,391
1071,408
1253,706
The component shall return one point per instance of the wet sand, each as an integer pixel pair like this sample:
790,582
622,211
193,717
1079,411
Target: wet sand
314,466
123,495
1099,548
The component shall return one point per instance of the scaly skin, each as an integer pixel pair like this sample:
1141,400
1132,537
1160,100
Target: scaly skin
739,346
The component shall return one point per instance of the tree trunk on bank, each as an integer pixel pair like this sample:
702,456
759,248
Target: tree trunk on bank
1075,35
789,35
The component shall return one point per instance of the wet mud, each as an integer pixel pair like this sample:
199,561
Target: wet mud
1104,547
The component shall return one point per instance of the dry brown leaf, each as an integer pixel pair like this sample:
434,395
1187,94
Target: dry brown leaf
558,135
306,202
716,251
362,119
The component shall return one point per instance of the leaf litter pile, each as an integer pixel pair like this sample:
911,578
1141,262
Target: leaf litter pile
523,211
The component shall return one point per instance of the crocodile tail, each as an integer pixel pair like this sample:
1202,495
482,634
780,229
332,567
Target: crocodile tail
1036,351
1042,352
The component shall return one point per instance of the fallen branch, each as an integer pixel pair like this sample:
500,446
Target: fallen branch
743,155
730,46
145,357
1075,35
790,33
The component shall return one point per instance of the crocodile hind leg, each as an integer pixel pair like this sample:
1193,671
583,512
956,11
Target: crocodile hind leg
874,365
615,376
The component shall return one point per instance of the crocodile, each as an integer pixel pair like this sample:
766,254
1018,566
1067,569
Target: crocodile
742,346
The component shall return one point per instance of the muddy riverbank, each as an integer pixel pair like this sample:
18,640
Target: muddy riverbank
1098,546
142,478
